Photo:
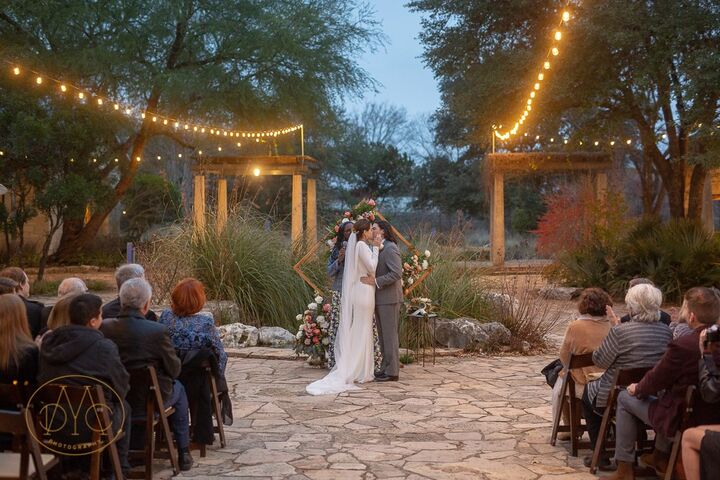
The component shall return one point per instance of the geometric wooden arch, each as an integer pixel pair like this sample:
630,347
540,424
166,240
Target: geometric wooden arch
297,166
501,165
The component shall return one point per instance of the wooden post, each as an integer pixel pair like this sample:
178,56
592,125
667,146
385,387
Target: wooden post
497,220
296,229
199,202
708,219
311,225
222,209
601,185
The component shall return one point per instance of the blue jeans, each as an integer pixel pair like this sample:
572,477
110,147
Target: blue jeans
180,420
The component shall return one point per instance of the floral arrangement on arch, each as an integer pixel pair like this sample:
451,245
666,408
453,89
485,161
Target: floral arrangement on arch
415,265
311,338
364,209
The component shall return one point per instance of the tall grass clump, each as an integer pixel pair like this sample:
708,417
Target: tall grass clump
251,265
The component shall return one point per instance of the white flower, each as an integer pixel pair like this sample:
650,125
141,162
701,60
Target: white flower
411,281
330,243
425,265
345,220
427,253
312,306
320,319
415,258
326,341
299,317
318,299
299,335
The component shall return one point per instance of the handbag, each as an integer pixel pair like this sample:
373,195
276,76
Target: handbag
551,372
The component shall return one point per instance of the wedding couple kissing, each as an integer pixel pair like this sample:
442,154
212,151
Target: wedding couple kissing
371,287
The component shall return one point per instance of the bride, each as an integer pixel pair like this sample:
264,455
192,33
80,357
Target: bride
354,359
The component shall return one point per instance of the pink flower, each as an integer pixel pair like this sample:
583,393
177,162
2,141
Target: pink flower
316,331
316,340
326,308
337,228
371,202
371,217
308,318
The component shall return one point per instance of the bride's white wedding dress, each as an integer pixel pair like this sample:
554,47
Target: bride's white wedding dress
354,357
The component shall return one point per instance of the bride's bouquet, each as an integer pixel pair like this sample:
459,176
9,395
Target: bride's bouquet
311,338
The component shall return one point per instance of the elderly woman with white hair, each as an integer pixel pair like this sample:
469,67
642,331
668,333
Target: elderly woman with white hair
641,342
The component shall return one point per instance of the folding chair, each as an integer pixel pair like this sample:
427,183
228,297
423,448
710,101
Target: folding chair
145,383
15,465
622,379
49,397
677,440
217,411
567,396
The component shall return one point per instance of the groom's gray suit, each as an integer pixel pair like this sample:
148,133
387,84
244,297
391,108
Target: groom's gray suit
388,299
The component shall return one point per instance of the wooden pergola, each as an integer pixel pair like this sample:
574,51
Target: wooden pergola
297,166
501,165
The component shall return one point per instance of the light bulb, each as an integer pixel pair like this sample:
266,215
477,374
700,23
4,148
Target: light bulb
99,100
81,95
200,152
179,155
128,111
546,65
541,77
137,158
154,119
536,86
566,16
63,88
38,80
195,129
597,143
159,157
16,71
529,102
165,122
256,172
116,160
628,141
612,142
552,140
239,144
142,115
537,137
664,136
94,160
565,141
202,130
219,149
177,124
558,35
555,51
116,107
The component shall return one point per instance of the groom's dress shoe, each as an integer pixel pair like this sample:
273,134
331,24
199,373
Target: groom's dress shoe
387,378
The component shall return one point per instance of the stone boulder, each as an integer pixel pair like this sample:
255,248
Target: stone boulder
276,337
238,335
224,311
559,293
503,301
464,332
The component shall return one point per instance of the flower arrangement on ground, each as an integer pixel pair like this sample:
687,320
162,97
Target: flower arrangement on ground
414,267
311,338
364,209
420,306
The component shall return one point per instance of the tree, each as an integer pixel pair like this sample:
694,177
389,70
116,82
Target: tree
647,70
151,201
245,64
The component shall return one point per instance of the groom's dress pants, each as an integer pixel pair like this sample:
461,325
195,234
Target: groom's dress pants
388,324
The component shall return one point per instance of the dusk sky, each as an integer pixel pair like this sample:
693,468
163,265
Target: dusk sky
404,80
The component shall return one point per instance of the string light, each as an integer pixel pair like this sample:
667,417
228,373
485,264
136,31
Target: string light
166,120
256,172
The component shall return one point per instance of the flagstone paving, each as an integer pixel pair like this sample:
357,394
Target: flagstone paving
465,418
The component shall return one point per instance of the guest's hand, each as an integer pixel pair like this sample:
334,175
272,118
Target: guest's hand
368,280
703,347
632,389
614,320
341,255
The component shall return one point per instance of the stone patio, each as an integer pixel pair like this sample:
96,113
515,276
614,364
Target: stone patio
465,418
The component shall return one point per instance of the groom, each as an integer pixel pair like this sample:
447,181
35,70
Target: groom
388,300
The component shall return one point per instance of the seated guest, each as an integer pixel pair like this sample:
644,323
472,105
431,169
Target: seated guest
18,353
123,274
8,285
59,316
33,309
680,327
583,335
701,445
81,349
188,328
664,316
640,342
673,374
141,343
67,286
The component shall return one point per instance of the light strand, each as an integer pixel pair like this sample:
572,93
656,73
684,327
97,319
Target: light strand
87,97
553,51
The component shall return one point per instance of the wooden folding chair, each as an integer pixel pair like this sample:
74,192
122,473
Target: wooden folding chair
623,378
144,381
15,465
677,440
217,410
567,397
50,396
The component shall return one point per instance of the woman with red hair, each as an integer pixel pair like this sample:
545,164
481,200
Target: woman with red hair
189,328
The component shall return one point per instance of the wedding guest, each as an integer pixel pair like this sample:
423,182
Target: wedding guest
664,316
680,327
33,309
672,375
336,264
8,285
640,342
18,353
583,335
122,275
59,316
190,329
70,285
142,342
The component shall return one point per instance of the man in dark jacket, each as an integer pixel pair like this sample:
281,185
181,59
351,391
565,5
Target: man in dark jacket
141,343
81,349
122,275
34,309
674,373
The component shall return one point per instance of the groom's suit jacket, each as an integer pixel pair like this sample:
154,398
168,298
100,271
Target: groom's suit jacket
388,275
